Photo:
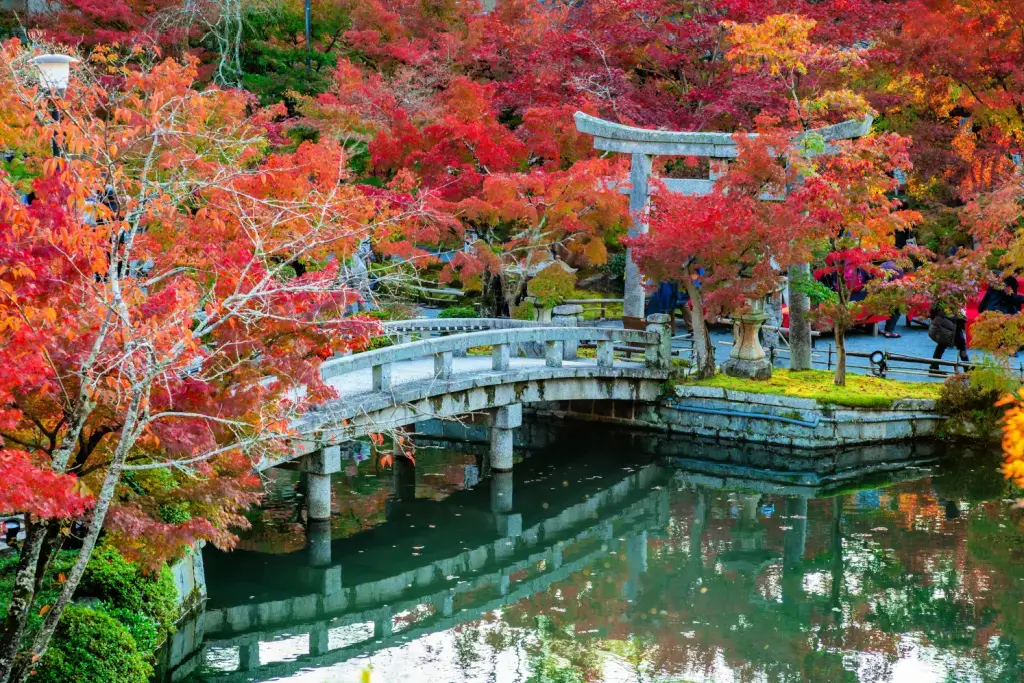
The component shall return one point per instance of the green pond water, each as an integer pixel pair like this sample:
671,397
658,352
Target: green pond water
629,558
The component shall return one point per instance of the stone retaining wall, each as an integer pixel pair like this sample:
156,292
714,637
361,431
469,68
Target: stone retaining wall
717,413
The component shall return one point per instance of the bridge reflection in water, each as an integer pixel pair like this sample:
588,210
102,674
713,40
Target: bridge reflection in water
578,500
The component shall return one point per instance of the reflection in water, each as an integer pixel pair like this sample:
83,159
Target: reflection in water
611,563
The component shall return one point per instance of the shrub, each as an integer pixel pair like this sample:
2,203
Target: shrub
142,628
524,311
969,399
395,311
459,312
616,266
89,645
552,286
124,586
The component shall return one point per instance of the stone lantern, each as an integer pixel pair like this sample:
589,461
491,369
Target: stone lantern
748,360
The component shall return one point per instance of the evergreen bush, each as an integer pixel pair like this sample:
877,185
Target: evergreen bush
90,646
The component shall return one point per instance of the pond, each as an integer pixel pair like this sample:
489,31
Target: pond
630,557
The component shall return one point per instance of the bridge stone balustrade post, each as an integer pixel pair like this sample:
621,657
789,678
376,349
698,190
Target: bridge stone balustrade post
605,354
568,315
553,354
444,605
382,377
383,626
500,355
556,556
659,354
443,365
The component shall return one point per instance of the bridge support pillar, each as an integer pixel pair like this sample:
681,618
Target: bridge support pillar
507,523
318,497
318,542
506,420
501,492
318,640
636,556
319,466
794,540
404,472
249,657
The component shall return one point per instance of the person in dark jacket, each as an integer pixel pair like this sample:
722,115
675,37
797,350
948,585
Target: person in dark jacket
947,330
1005,300
892,272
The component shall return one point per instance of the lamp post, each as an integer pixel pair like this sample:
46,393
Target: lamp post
309,42
54,74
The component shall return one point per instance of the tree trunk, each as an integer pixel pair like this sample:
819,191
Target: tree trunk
21,597
703,353
840,334
799,325
25,660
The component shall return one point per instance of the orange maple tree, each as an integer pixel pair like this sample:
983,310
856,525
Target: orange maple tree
167,295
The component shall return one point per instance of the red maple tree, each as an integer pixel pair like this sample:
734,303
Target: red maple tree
166,299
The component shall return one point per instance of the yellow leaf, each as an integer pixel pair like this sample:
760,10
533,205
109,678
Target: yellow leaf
44,610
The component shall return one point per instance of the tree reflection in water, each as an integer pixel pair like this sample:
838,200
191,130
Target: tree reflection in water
917,581
742,576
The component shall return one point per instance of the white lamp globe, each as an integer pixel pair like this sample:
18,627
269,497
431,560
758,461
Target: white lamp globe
54,71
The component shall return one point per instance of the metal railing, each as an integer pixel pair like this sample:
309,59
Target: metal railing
883,363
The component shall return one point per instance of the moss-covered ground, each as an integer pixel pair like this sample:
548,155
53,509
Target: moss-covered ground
861,391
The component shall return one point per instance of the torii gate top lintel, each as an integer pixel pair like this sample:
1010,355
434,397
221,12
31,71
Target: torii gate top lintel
644,144
616,137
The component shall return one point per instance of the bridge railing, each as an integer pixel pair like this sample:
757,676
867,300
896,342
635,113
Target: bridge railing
403,330
558,342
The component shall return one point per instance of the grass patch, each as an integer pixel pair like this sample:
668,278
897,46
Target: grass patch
861,391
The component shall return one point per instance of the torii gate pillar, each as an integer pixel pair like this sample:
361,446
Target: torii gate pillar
634,298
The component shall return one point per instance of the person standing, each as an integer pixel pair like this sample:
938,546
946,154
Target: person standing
947,330
1005,300
891,272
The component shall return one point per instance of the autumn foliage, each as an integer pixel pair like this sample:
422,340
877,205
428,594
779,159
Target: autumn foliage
166,291
173,279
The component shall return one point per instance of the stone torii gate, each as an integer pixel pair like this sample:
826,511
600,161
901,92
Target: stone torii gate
643,145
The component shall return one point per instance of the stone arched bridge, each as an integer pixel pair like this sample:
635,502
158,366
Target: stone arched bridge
425,377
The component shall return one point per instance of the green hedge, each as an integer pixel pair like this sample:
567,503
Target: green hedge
458,312
134,610
90,646
128,593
